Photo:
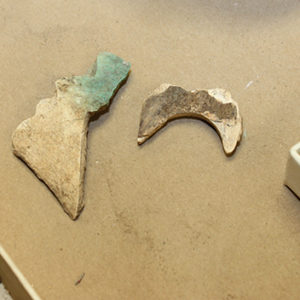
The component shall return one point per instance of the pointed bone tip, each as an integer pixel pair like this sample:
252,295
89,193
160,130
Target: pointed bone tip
230,151
141,139
74,215
73,211
229,148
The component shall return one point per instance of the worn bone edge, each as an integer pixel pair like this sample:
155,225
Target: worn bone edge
58,130
154,115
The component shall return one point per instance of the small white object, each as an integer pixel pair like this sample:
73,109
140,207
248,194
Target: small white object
292,177
249,83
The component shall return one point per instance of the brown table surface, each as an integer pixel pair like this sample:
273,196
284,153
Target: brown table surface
175,218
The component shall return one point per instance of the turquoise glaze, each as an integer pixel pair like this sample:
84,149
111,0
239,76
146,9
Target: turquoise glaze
94,90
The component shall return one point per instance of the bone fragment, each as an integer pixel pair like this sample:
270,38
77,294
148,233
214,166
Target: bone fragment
53,142
214,106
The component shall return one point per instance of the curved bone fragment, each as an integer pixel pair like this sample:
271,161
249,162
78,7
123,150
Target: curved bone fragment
53,142
214,106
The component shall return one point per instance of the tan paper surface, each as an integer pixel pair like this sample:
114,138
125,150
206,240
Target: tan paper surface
175,218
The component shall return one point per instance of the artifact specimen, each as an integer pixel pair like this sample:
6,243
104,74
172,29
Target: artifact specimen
292,177
53,142
214,106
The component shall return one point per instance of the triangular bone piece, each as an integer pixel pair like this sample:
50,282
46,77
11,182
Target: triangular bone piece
53,142
214,106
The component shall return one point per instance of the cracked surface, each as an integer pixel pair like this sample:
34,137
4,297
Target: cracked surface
53,142
214,106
